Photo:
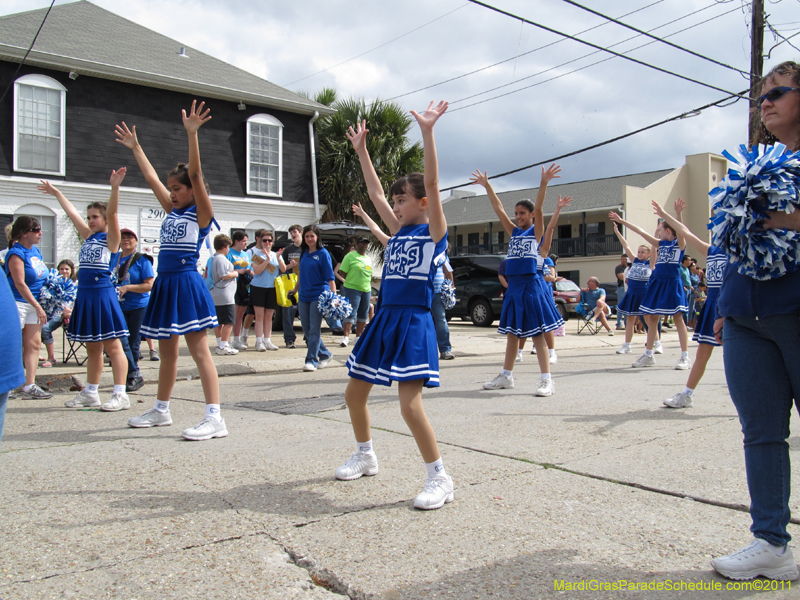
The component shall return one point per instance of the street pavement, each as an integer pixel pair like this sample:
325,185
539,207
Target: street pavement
597,485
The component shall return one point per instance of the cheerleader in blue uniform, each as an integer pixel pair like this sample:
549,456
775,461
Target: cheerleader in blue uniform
528,310
665,295
97,318
399,344
716,262
638,280
180,303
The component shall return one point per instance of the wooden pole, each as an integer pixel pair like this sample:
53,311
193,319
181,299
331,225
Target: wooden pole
756,66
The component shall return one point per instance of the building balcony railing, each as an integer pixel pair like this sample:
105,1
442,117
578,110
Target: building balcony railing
592,245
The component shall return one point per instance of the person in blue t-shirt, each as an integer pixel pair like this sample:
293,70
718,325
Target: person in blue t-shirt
595,298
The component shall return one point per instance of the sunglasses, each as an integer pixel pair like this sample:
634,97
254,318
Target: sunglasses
266,239
774,94
35,230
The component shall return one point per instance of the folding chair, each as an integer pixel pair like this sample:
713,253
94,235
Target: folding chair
70,349
586,318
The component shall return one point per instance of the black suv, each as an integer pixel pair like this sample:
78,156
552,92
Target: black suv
478,290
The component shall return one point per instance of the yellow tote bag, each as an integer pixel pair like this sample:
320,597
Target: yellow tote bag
283,285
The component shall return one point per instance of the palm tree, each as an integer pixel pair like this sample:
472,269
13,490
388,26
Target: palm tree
341,181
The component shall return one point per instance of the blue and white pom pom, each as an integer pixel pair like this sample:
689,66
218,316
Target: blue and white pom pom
766,178
56,292
448,294
334,305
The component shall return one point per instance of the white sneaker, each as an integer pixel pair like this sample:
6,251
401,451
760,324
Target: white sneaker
657,347
152,418
624,350
553,358
116,402
437,492
323,363
309,366
519,358
360,463
757,560
225,351
345,341
270,346
205,430
533,350
84,399
239,345
501,382
261,347
547,387
644,361
683,364
611,333
679,400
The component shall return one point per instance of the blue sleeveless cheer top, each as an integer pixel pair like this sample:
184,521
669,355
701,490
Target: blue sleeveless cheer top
409,266
523,253
181,238
668,263
716,261
95,262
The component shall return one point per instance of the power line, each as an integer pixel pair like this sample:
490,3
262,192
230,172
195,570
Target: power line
575,60
663,41
691,113
375,48
780,35
14,77
595,46
427,87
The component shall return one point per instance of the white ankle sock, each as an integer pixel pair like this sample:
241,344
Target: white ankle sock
92,388
552,351
162,406
648,353
546,377
212,412
435,469
119,389
364,446
519,352
506,372
685,354
219,343
259,340
688,391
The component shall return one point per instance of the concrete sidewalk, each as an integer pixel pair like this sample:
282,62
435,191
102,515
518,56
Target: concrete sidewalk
597,483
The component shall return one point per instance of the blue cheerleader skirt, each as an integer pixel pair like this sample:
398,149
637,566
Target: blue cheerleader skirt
96,316
528,310
632,300
179,303
704,328
664,297
399,344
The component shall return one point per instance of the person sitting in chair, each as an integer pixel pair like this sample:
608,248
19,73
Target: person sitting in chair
595,298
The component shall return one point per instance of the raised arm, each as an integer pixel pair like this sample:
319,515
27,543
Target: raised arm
483,179
112,212
653,241
547,240
681,229
426,121
625,245
193,122
538,208
358,138
379,234
83,229
128,138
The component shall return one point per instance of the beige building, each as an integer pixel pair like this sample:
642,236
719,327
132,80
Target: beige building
584,238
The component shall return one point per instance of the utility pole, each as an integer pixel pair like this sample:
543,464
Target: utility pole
756,66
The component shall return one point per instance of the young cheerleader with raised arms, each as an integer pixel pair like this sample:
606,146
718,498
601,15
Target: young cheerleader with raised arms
180,303
638,280
528,310
97,318
400,342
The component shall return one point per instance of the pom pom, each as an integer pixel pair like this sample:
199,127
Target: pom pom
448,294
56,292
766,178
334,305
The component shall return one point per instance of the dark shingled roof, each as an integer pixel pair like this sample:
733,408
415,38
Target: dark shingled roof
94,41
586,196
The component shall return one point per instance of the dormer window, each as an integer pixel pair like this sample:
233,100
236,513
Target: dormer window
39,122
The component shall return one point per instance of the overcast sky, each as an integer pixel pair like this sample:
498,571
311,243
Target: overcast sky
443,39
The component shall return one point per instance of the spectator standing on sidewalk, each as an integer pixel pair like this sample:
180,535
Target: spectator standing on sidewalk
291,256
619,273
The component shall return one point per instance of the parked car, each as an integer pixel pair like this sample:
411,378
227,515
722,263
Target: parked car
611,294
478,290
566,295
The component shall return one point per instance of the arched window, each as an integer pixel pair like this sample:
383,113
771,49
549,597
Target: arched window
264,156
47,219
39,115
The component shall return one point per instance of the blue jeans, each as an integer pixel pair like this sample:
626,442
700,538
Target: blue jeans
49,328
440,323
134,320
761,365
360,303
133,366
287,314
311,320
3,402
620,295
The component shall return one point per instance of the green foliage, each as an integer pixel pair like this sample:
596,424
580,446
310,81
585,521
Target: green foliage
340,178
